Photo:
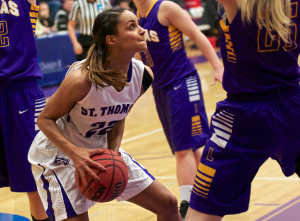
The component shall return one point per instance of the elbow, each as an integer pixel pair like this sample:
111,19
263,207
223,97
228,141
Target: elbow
39,122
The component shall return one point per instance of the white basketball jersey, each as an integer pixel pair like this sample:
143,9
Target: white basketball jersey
91,118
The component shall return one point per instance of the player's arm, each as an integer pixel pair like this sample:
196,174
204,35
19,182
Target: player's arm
32,2
171,14
73,89
71,28
115,135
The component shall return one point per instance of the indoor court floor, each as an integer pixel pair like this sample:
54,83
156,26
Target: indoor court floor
273,197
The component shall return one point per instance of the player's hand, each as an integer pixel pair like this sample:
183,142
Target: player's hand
78,48
218,75
82,161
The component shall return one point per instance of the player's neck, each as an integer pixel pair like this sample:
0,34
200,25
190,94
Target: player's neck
143,6
119,61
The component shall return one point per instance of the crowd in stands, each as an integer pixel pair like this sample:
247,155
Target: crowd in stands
54,14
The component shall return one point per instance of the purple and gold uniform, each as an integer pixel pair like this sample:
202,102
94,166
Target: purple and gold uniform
176,86
259,119
21,99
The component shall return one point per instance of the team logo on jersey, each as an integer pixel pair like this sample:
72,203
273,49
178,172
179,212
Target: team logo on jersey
61,161
9,8
151,36
117,109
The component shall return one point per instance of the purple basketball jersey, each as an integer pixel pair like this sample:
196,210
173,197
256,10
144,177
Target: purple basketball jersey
166,55
253,62
18,53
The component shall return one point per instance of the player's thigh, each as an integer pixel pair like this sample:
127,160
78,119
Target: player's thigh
242,137
155,198
22,104
188,120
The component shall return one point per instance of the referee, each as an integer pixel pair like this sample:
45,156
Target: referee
84,12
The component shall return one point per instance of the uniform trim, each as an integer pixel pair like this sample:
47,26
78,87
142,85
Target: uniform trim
46,185
69,210
148,11
144,169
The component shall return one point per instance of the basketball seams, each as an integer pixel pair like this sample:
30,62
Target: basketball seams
115,160
113,175
90,183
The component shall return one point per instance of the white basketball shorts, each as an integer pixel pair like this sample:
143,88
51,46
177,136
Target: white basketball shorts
54,174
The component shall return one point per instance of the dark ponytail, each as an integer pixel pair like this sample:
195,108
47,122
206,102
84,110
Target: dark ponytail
105,24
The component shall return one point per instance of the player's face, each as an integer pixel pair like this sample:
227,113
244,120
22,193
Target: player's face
131,36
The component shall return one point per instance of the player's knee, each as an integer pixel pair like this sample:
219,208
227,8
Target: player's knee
184,153
33,195
297,165
170,205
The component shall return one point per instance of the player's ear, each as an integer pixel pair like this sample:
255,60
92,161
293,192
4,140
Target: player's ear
110,40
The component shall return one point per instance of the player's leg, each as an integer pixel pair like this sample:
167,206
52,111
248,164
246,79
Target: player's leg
198,216
143,190
159,200
189,131
55,182
242,136
36,207
19,129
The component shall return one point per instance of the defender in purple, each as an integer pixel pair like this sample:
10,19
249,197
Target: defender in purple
260,117
176,86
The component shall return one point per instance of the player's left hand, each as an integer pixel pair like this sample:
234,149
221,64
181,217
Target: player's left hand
218,75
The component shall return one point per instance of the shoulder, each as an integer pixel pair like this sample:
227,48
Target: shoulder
76,84
137,63
166,11
168,6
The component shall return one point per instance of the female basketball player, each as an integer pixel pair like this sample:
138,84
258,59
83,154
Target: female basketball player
260,117
176,87
20,99
86,114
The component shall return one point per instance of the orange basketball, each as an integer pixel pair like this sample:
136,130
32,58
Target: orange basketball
113,181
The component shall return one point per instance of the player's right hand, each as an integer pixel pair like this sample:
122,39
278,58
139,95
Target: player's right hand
82,161
78,48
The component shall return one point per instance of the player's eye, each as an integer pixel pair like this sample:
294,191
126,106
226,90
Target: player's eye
132,26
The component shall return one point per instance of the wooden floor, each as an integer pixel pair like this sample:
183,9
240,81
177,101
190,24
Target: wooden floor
145,141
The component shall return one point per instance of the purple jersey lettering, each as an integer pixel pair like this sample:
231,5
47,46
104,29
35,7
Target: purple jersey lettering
18,51
166,55
254,63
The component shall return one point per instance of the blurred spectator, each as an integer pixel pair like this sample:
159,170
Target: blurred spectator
44,23
55,6
210,17
62,16
84,12
122,4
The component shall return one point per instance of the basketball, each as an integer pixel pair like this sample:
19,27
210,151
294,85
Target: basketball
113,181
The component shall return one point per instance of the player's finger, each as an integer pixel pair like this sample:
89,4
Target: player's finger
92,173
83,178
77,179
214,82
97,166
220,79
97,151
